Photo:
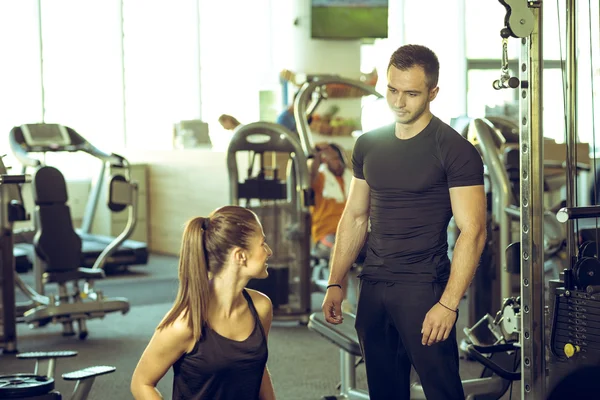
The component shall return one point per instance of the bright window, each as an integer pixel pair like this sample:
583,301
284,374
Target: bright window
440,25
20,87
483,22
484,100
235,41
162,69
484,47
83,84
485,19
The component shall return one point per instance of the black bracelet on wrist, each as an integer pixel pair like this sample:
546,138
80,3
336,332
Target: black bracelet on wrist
334,285
446,307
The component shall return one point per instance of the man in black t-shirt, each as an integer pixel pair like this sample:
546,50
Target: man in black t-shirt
410,178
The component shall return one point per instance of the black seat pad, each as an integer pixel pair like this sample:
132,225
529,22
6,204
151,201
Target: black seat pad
343,335
55,241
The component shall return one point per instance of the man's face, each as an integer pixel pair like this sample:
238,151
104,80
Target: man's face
334,162
408,94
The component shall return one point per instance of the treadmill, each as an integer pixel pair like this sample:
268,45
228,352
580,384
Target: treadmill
27,139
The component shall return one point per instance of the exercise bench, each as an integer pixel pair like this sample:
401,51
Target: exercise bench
495,380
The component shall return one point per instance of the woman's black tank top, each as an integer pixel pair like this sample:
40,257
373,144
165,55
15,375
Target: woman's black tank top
219,368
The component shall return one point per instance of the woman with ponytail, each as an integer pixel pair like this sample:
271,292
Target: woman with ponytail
215,335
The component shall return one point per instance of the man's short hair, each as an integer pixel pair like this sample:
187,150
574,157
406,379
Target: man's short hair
411,55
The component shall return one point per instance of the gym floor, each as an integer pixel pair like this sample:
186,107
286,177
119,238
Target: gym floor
303,365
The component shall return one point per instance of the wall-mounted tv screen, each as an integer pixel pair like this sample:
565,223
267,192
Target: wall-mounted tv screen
349,19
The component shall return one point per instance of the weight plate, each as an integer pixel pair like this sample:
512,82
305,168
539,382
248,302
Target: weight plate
24,385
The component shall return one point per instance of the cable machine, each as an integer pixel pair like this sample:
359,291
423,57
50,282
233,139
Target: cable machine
281,199
562,332
523,20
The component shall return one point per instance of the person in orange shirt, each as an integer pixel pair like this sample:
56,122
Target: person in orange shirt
330,181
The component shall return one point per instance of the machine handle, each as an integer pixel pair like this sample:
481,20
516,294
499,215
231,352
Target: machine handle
512,83
513,211
14,179
476,352
20,152
563,165
79,143
567,213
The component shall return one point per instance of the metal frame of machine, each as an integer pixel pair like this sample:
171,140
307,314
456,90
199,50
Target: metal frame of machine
524,21
64,308
292,195
11,210
313,84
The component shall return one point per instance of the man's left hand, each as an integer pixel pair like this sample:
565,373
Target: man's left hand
438,324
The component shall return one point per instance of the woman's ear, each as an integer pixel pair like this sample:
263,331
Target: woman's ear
239,256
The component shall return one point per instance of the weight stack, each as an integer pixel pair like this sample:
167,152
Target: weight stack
575,333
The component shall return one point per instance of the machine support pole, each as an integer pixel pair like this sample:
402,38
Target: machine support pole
40,36
533,365
571,115
524,21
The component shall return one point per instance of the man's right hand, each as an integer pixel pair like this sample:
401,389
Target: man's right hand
332,305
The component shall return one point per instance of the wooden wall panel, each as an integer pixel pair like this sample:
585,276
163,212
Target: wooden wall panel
181,185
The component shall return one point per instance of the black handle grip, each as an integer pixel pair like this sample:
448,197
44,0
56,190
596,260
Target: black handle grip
14,179
476,353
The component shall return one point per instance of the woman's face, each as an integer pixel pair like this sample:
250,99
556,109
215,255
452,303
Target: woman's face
258,255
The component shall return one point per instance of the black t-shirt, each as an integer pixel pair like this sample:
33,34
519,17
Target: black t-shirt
410,199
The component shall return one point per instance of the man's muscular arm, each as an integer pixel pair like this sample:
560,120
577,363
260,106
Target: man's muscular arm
469,209
351,231
349,239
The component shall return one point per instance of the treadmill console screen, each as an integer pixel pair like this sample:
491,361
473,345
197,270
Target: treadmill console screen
45,135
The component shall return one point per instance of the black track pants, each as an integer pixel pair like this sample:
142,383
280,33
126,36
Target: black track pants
389,319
